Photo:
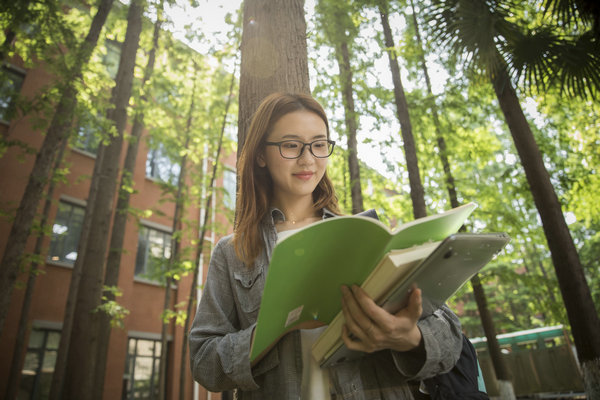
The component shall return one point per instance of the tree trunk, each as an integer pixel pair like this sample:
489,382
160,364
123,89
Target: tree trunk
417,193
58,377
81,358
499,364
274,55
490,330
175,246
581,312
57,132
18,356
200,247
442,148
343,58
117,236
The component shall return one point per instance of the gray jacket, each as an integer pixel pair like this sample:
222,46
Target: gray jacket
220,340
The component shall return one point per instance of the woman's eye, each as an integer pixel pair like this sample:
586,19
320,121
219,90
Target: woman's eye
290,145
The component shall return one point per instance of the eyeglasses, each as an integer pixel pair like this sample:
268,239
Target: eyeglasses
291,149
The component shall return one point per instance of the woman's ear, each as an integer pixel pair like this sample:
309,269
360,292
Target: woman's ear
260,160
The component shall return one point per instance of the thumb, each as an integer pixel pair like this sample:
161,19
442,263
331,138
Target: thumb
415,304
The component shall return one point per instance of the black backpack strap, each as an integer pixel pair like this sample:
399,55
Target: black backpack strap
461,383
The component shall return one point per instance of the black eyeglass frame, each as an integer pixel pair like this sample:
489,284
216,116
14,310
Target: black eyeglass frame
304,145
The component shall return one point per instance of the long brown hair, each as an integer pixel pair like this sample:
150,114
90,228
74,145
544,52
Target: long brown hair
256,186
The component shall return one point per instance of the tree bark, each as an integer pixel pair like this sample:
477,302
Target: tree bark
583,318
274,55
58,377
57,132
489,329
343,58
175,246
18,356
117,236
417,193
487,322
200,247
81,358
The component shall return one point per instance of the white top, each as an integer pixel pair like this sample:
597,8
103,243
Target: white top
315,381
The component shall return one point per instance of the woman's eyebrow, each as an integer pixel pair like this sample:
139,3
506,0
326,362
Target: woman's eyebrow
293,136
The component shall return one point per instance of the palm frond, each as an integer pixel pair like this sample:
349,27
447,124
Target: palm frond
577,66
579,13
529,56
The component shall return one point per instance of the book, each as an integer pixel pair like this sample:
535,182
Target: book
308,268
439,269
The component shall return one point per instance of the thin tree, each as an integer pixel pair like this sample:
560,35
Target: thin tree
506,388
60,366
117,236
57,132
274,55
81,351
191,304
340,31
417,193
19,347
175,257
457,23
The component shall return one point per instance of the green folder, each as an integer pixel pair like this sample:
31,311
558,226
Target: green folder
308,268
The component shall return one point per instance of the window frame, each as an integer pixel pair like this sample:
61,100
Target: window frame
157,154
73,203
14,71
47,328
130,364
86,131
167,234
229,199
113,53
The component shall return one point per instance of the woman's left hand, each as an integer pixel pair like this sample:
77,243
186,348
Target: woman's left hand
370,328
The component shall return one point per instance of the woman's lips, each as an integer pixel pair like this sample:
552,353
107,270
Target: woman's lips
304,175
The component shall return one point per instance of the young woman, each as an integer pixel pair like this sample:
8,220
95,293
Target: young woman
284,186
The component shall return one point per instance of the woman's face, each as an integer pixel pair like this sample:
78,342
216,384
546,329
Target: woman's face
294,179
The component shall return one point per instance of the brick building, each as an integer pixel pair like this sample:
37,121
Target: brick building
132,364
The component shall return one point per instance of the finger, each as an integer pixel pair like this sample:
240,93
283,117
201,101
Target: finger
376,314
351,312
359,324
414,308
351,342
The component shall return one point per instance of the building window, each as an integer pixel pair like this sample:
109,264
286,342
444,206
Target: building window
65,233
141,369
88,135
36,375
229,184
11,81
112,57
153,253
160,167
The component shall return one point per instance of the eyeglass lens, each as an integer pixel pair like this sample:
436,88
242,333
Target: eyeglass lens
293,148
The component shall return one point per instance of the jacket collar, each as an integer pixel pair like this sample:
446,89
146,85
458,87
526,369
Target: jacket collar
276,215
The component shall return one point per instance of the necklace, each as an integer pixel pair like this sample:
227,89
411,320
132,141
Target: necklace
293,221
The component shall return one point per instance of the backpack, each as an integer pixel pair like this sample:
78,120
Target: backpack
462,382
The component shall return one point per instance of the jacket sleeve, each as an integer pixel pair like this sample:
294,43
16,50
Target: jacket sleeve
219,348
440,349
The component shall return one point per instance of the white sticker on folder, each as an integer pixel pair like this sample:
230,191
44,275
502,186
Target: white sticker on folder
293,316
